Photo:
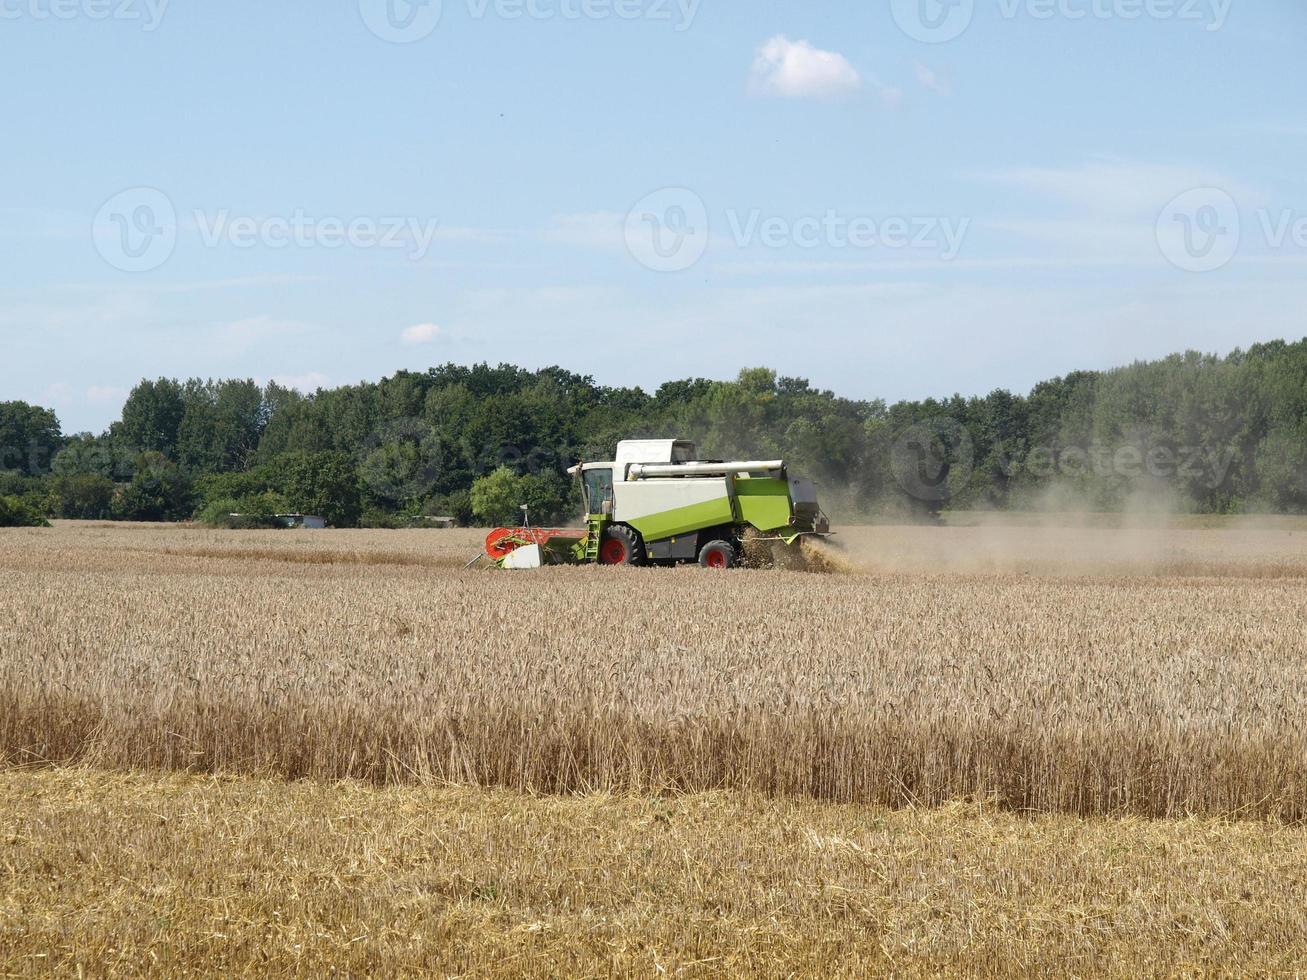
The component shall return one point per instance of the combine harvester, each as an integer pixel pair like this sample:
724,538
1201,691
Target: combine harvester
659,504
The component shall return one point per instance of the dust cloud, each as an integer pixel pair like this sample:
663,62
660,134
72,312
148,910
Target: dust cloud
1062,534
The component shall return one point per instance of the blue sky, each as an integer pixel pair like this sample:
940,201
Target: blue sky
894,199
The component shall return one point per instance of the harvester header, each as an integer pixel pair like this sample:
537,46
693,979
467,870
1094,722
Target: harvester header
658,503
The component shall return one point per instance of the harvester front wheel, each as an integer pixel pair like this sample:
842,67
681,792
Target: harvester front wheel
717,554
621,546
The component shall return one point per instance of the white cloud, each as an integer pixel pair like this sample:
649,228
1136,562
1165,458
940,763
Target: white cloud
595,229
797,70
41,223
106,395
930,80
306,383
58,393
1119,188
1291,129
1104,209
112,310
240,336
421,333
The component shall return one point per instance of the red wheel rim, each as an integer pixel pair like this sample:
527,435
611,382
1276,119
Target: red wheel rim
612,552
716,559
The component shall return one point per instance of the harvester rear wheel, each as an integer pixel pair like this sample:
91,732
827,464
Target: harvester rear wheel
621,545
717,554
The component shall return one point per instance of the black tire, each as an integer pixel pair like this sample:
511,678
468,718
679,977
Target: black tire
621,545
718,554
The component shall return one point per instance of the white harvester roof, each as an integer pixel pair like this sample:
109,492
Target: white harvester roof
642,458
651,451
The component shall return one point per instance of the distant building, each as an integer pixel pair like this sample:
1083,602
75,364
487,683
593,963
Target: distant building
301,520
440,521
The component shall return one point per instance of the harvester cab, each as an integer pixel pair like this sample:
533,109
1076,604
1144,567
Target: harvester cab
658,503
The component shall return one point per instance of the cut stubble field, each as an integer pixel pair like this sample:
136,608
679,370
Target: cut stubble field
1092,684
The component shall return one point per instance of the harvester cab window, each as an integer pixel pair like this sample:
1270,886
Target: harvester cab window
599,491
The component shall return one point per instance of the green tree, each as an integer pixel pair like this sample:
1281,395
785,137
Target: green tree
82,496
1282,468
457,505
88,455
497,497
325,484
404,469
421,439
159,491
29,438
15,512
221,424
232,486
253,510
152,417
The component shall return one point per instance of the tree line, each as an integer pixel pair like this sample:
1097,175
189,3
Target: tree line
1192,432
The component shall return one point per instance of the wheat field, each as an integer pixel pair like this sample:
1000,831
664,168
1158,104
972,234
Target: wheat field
374,656
996,750
123,875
